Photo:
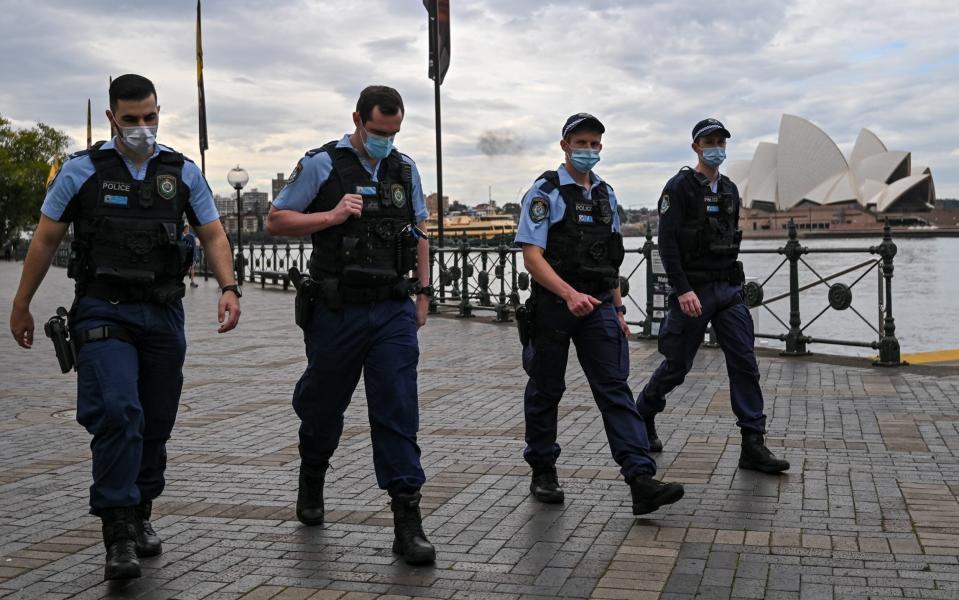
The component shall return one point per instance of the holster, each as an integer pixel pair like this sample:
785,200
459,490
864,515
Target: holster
525,319
304,302
57,329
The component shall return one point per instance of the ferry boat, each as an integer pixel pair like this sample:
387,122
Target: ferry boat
473,227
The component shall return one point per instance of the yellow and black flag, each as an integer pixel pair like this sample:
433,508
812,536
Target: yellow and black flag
113,130
204,142
89,125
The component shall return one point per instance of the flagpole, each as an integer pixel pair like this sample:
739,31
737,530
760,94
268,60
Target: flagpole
201,97
89,125
434,14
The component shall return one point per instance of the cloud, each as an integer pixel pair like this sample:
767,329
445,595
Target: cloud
499,143
283,80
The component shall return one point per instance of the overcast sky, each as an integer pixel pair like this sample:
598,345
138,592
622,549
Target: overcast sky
283,76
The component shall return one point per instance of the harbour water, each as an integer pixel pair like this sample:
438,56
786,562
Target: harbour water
925,289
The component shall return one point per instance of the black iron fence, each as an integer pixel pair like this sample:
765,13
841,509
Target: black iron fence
473,277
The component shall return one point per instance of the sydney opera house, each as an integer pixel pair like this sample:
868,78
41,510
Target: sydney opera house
805,177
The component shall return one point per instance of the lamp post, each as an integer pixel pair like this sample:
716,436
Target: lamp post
238,178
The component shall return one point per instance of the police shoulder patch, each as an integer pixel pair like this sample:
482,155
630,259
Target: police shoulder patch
664,204
538,209
296,172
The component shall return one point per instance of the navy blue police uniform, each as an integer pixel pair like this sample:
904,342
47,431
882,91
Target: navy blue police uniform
578,229
128,259
363,320
583,244
699,240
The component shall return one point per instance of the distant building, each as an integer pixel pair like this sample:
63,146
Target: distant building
256,204
431,203
225,205
805,167
278,184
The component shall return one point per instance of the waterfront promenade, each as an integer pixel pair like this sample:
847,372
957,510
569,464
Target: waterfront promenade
869,508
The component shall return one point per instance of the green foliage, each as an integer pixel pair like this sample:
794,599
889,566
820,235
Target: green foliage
25,158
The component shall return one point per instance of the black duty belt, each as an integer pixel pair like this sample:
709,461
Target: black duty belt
332,293
103,332
733,275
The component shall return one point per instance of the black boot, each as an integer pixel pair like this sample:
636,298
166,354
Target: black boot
545,485
148,542
755,456
410,541
309,500
119,537
649,494
655,444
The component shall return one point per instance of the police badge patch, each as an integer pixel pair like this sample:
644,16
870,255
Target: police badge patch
538,209
398,194
166,186
664,204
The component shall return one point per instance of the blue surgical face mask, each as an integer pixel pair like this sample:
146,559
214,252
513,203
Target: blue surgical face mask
714,156
377,146
141,140
584,159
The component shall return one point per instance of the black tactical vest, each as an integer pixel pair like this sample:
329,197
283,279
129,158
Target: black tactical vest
368,257
127,245
710,235
582,248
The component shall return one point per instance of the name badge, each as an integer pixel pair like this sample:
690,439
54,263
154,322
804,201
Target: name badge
712,208
366,190
585,218
115,200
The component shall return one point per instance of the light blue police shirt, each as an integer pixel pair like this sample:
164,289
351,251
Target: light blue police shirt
530,232
77,170
313,171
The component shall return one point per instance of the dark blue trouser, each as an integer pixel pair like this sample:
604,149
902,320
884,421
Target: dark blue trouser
378,340
127,397
603,353
680,337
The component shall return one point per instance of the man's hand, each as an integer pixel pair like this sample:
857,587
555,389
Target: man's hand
228,311
349,205
422,309
581,304
623,325
689,304
21,325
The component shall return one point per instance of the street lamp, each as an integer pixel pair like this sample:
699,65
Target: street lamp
238,178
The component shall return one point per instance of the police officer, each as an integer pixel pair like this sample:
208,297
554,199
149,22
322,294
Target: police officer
127,199
361,201
699,239
569,232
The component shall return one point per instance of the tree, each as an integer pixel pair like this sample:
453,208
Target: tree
25,157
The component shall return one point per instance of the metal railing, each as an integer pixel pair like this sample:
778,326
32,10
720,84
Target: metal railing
470,277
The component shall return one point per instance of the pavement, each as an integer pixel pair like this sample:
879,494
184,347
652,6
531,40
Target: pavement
870,507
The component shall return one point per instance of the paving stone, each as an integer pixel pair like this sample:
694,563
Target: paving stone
869,508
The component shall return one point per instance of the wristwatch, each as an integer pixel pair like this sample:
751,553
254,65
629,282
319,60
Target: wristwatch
232,288
621,309
426,290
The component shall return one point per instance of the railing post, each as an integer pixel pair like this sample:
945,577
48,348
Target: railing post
466,309
502,309
650,282
888,343
434,306
793,250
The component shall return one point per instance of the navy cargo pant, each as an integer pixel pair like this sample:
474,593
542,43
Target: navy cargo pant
603,353
378,340
127,397
680,337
